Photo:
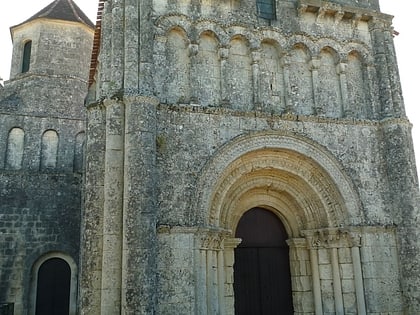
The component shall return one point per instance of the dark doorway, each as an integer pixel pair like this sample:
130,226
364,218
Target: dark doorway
262,280
53,288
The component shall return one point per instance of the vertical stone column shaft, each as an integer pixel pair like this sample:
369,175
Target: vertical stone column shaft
140,207
221,281
338,294
117,49
92,218
374,110
346,109
287,88
381,64
316,283
358,280
256,56
201,288
224,54
105,55
113,201
131,45
212,285
315,64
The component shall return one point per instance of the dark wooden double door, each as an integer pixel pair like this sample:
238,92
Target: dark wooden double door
262,280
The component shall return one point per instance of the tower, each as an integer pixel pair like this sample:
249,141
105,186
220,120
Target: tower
42,128
205,117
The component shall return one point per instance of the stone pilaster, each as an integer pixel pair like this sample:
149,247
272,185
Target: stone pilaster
140,207
377,27
92,219
113,208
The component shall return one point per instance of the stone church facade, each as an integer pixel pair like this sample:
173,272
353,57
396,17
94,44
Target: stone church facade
239,155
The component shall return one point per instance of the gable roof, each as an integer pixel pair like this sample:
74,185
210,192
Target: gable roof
66,10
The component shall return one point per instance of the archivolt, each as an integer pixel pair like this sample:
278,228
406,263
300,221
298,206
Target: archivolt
289,174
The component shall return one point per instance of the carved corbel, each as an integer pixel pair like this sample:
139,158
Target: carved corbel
302,9
224,53
321,14
193,49
356,20
338,17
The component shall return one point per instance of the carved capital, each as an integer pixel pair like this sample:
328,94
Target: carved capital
193,49
224,52
332,238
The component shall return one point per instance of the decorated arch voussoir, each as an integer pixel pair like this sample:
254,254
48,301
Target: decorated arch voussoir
283,164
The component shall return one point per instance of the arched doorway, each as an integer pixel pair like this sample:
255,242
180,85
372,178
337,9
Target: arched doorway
53,287
262,281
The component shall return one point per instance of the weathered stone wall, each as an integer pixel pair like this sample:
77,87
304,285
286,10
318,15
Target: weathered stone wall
58,48
42,136
204,110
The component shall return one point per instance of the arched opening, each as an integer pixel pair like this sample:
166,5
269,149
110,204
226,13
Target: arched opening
26,58
49,150
15,146
262,281
53,287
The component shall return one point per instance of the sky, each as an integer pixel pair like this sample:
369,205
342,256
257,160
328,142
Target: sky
406,23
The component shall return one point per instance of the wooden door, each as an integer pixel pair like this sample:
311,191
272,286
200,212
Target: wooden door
262,280
53,288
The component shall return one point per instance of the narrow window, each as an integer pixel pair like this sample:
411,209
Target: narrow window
49,148
79,145
266,9
26,60
14,153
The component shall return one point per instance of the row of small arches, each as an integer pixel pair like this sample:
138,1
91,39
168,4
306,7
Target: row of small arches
224,34
48,153
211,74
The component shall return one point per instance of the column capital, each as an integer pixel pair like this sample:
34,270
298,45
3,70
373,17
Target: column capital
332,238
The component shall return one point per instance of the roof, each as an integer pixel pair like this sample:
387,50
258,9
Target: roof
66,10
96,42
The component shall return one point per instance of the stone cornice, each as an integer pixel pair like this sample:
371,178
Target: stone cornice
321,8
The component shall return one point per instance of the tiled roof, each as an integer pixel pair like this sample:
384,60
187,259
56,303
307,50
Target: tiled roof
65,10
96,42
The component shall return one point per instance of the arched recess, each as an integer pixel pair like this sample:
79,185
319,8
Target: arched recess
300,83
178,65
329,93
15,147
54,262
206,69
49,150
357,86
292,176
239,66
272,91
265,163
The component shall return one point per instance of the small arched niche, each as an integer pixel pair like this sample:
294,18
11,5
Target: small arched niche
49,150
15,146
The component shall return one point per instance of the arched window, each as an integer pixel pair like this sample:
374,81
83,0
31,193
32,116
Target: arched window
49,148
14,153
26,58
266,9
